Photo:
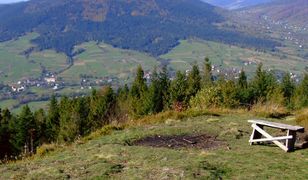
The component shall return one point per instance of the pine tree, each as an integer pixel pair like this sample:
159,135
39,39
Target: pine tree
194,81
154,97
287,87
300,99
207,70
102,106
178,88
81,111
242,81
40,121
139,95
53,121
165,82
68,129
263,83
25,131
5,134
139,85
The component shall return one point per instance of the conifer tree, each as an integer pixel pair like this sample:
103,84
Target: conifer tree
101,106
81,111
178,88
25,128
5,134
207,73
139,85
138,94
154,99
68,129
301,95
193,81
165,82
40,121
287,87
53,121
242,81
263,83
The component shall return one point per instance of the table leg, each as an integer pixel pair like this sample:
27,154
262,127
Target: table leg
256,134
291,142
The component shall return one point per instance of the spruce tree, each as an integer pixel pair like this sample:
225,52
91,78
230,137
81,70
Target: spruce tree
139,85
138,94
193,81
288,87
101,108
53,121
242,81
81,111
178,88
154,98
68,129
263,83
40,121
207,73
301,95
25,131
165,85
5,134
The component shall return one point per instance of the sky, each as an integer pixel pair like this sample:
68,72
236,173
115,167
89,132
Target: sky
9,1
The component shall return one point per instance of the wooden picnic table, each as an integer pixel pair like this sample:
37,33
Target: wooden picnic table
284,142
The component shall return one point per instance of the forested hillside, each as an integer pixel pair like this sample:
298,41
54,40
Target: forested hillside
151,26
293,12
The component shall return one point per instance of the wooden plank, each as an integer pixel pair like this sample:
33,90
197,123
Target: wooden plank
269,136
278,125
272,139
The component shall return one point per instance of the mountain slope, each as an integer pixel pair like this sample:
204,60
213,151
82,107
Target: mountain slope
236,4
153,26
290,11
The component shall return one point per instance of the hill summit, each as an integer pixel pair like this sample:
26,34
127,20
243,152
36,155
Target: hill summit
152,26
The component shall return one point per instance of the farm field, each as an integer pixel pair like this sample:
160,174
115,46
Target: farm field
34,106
226,56
15,66
117,155
102,60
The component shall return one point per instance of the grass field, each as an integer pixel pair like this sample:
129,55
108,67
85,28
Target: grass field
8,103
33,106
102,60
113,156
14,66
226,56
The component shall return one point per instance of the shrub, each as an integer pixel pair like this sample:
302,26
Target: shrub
46,148
103,131
207,97
302,118
270,110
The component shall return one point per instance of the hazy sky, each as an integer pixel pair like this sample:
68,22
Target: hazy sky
9,1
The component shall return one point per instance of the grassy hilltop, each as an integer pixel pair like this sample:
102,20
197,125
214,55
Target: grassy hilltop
113,154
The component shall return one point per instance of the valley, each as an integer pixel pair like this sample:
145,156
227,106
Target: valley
37,75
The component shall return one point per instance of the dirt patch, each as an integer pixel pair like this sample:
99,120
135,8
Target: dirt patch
182,141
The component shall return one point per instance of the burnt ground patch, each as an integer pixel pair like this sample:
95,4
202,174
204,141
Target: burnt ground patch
203,141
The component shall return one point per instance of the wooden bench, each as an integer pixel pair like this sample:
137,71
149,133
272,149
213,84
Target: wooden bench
289,139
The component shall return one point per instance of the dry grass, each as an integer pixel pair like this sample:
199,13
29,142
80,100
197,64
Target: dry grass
47,148
302,118
106,130
270,110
